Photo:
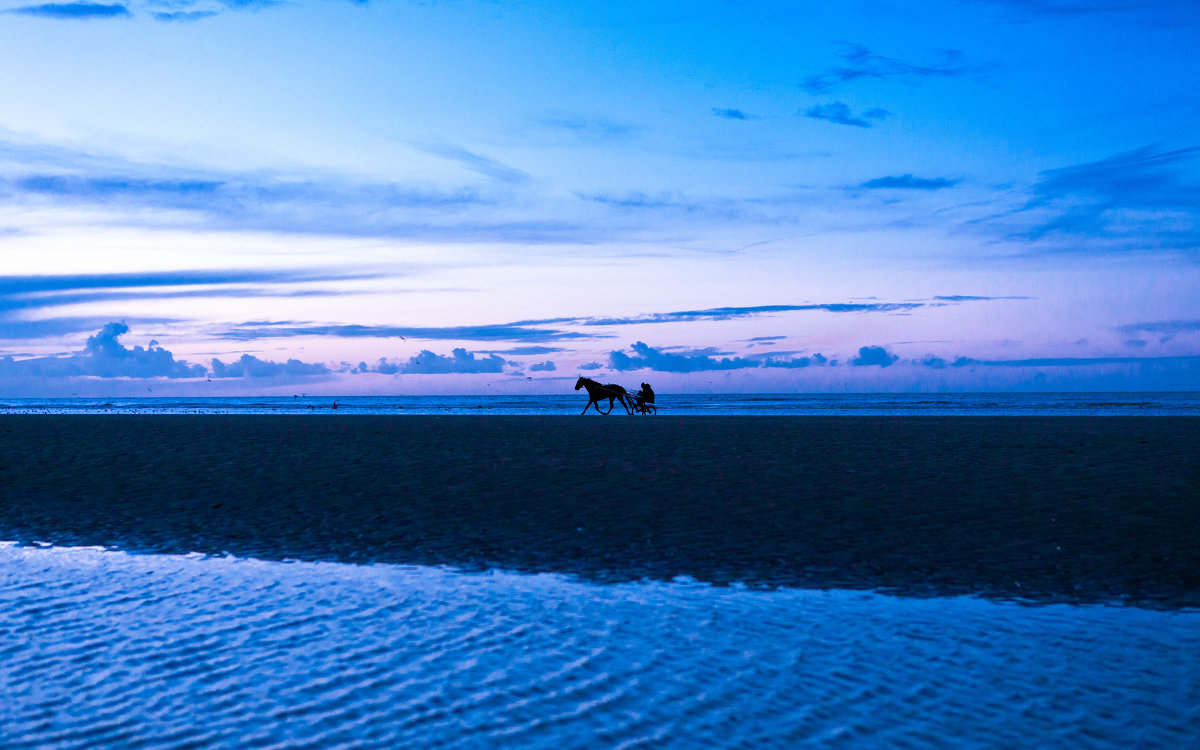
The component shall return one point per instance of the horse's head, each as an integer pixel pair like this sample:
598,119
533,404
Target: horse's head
579,383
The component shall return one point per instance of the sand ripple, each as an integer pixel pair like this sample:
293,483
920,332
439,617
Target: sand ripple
106,648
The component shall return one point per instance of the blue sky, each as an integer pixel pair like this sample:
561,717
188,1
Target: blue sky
230,196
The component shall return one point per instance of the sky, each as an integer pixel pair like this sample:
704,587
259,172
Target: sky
233,197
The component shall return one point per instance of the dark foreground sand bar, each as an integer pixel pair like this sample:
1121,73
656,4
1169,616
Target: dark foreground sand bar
1040,508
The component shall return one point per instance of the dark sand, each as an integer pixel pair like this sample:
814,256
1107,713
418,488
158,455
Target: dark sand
1043,509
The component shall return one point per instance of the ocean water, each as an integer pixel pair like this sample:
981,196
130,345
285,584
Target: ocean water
983,404
102,648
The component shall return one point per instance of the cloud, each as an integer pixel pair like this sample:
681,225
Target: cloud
502,332
182,16
518,351
34,176
586,127
839,113
730,313
1139,199
204,277
58,290
546,366
649,358
459,361
973,298
640,200
861,63
730,114
939,363
183,11
816,360
646,357
591,366
248,366
81,11
1165,329
104,356
908,182
12,330
874,356
1153,12
477,163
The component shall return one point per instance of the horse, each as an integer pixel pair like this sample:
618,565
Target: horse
597,393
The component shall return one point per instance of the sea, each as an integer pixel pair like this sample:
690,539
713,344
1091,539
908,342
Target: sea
821,404
104,648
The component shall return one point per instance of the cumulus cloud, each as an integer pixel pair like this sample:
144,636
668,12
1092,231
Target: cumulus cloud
591,366
459,361
646,357
874,356
104,356
248,366
546,366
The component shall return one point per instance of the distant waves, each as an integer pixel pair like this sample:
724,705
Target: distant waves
819,404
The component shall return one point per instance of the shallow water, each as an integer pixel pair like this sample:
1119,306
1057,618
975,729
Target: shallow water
817,404
107,648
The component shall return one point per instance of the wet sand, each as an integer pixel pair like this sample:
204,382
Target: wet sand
1044,509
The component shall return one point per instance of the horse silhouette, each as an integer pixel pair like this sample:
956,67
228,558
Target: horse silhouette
597,393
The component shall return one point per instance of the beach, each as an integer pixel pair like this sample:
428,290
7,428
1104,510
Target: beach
1038,509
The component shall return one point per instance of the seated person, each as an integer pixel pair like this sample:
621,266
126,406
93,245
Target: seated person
645,399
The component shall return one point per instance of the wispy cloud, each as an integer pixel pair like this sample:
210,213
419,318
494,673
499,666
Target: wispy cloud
730,114
182,16
975,298
939,363
1153,12
1139,199
73,11
1166,330
730,313
25,293
500,332
587,128
159,195
478,163
859,62
839,113
908,182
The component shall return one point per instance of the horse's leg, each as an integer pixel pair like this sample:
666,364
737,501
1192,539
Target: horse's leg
610,405
585,407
